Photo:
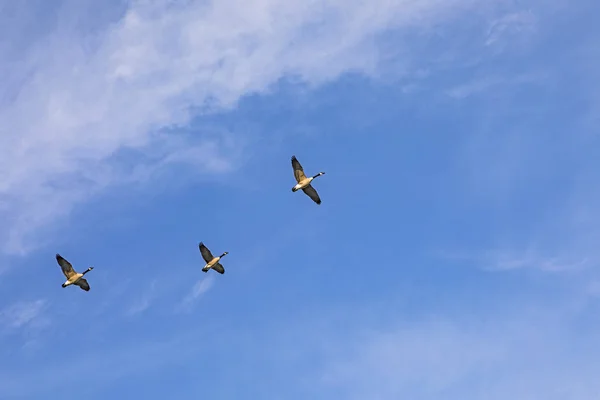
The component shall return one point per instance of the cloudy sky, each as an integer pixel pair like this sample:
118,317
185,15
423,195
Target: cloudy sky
455,255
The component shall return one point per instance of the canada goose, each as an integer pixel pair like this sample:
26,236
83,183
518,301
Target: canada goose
73,278
304,182
211,261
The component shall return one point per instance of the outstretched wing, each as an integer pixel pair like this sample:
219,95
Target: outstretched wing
82,283
206,254
312,193
298,170
219,268
66,266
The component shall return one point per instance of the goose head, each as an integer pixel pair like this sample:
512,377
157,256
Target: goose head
319,174
88,270
224,254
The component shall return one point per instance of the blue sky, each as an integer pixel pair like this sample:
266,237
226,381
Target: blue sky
454,255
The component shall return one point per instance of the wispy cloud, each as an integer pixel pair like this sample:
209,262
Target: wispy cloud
509,26
512,260
23,314
144,301
489,82
514,357
344,354
95,111
201,287
506,262
108,365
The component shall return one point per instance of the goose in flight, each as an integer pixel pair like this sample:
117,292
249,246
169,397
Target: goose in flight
211,261
73,278
304,182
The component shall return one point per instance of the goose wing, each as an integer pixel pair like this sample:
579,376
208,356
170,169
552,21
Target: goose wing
66,266
206,254
312,193
298,170
82,283
219,268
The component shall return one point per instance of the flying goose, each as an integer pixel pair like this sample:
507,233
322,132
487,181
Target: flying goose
304,182
211,261
73,278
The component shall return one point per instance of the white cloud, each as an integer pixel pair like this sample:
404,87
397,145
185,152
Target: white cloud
95,103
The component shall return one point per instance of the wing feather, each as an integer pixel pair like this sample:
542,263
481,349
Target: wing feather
298,170
219,268
83,284
312,193
66,266
206,254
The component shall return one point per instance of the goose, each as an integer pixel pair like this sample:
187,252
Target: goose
304,182
211,261
73,278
